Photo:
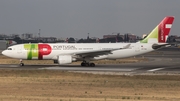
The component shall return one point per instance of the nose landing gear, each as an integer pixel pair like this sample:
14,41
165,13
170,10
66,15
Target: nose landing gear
21,63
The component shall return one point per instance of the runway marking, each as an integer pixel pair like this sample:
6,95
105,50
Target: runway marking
90,69
4,65
151,70
13,65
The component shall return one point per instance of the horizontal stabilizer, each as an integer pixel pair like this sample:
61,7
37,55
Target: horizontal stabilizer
156,46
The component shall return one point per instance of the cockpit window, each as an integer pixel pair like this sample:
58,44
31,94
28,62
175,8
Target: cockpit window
9,49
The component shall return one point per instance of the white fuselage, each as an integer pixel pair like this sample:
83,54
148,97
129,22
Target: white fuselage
21,51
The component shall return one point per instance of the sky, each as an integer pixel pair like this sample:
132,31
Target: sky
77,18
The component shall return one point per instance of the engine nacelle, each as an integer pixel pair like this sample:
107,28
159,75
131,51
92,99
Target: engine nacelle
64,59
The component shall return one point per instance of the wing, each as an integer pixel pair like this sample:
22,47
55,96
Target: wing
95,53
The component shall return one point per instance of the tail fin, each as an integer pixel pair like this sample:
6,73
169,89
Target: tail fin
160,33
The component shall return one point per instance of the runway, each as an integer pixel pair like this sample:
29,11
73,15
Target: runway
160,62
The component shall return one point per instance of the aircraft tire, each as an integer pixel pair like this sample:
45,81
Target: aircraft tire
92,64
21,64
87,64
82,64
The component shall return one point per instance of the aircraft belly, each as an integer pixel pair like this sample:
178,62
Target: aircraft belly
48,57
21,55
123,54
101,57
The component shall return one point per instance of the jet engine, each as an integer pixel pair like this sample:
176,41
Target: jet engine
64,59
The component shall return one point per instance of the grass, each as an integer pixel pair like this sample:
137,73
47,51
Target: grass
49,85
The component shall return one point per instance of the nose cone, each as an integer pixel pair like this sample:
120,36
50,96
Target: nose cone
7,53
4,52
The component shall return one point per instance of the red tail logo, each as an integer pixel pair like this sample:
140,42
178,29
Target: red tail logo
164,28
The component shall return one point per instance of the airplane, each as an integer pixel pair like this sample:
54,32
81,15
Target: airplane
66,53
11,42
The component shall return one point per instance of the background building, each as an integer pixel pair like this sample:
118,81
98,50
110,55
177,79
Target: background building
27,36
3,44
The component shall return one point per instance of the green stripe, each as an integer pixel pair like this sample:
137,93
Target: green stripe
153,34
32,50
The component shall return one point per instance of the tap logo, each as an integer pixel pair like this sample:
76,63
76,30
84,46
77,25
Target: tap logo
37,51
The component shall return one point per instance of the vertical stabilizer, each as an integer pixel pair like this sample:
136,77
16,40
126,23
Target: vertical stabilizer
160,33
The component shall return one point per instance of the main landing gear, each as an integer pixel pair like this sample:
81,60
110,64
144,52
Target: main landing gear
87,64
21,63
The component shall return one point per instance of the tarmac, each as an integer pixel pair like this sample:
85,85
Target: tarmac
161,62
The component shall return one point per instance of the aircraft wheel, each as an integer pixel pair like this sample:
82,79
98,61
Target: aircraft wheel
21,64
82,64
92,64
